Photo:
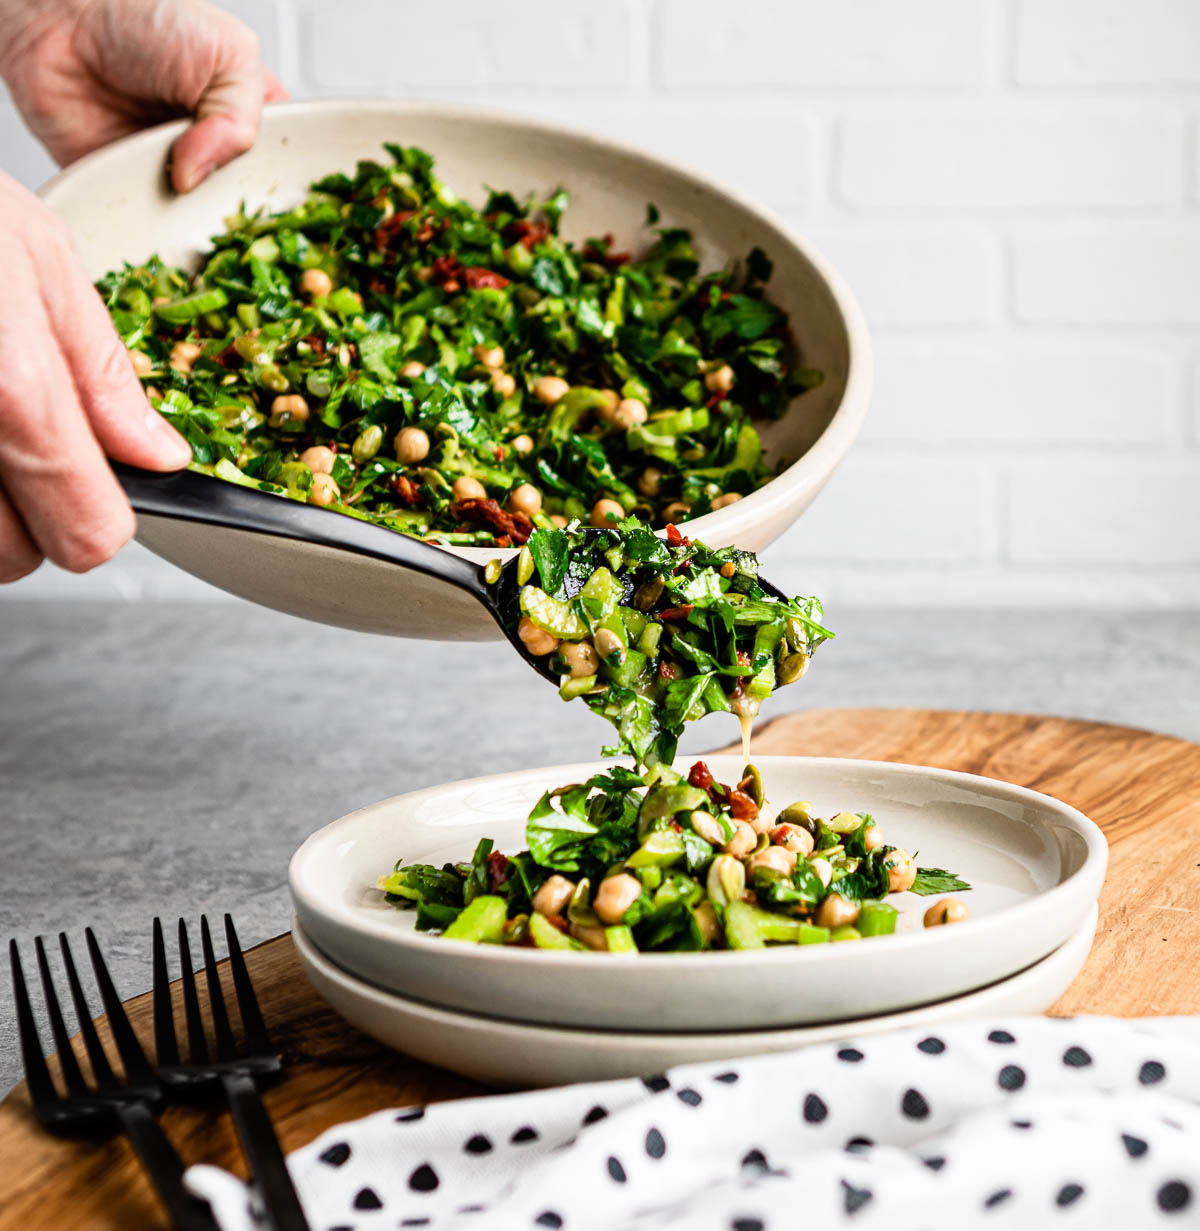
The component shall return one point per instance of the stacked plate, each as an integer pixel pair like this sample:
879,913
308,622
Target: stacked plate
521,1016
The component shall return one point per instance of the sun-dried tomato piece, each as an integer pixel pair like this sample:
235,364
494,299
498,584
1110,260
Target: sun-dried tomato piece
406,489
317,342
387,231
676,613
445,269
605,255
700,776
742,806
498,869
667,671
527,232
478,278
558,921
515,526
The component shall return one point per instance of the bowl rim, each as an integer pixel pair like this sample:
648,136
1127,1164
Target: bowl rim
1025,913
821,457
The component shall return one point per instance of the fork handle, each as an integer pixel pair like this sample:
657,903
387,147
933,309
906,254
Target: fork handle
165,1169
262,1150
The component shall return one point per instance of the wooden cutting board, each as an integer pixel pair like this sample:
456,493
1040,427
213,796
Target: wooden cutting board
1142,789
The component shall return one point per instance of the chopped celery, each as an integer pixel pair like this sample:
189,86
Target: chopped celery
481,920
620,940
877,919
546,936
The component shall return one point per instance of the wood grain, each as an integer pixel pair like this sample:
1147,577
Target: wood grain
1142,789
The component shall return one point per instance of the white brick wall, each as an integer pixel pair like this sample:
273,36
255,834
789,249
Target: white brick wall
1011,186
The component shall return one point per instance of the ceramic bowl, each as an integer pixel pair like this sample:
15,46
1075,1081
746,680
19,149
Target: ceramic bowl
118,207
518,1054
1035,864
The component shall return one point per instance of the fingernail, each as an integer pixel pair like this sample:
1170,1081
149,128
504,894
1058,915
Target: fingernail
196,175
171,447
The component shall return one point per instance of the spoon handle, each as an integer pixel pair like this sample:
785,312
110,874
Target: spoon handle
188,496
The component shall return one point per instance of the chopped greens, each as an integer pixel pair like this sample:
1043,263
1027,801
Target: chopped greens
629,863
389,351
655,633
937,880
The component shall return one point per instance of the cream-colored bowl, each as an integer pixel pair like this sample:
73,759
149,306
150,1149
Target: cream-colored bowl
118,207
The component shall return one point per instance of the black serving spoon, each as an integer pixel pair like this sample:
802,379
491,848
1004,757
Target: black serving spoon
188,496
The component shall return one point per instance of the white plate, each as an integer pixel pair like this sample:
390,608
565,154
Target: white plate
1036,866
119,209
516,1054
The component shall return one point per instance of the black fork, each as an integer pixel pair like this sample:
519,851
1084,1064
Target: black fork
110,1105
225,1072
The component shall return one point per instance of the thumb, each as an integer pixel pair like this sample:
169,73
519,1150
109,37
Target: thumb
227,116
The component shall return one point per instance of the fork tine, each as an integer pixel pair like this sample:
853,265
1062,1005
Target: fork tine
133,1058
197,1043
37,1075
101,1069
257,1040
62,1041
226,1048
166,1046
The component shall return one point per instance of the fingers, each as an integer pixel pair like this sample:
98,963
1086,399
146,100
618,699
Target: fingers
51,466
273,90
126,425
227,116
18,554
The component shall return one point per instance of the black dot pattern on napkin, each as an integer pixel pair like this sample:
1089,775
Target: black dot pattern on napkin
596,1113
756,1161
850,1055
931,1046
548,1218
815,1109
525,1134
914,1105
424,1179
1001,1037
1174,1196
999,1197
478,1144
1135,1147
746,1224
1011,1077
689,1096
1068,1195
336,1154
1077,1058
657,1084
616,1171
410,1115
367,1199
853,1198
1152,1072
656,1147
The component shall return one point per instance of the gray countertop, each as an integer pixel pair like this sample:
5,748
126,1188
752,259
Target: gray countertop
168,758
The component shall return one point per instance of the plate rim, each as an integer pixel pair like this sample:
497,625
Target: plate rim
1094,866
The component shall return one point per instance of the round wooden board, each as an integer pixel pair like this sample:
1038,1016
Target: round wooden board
1142,789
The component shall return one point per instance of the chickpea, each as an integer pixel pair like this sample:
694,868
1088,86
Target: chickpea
762,821
324,490
628,413
522,445
316,283
319,459
707,826
719,380
615,896
901,871
778,858
490,356
742,842
650,481
948,910
412,370
153,391
549,389
580,658
504,383
723,502
525,498
536,640
822,869
559,520
412,445
706,917
467,488
593,938
142,363
184,354
606,513
160,299
873,838
676,511
611,399
793,838
836,912
288,408
553,895
608,643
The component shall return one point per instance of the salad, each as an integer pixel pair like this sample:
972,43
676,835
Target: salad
386,350
631,863
656,632
653,633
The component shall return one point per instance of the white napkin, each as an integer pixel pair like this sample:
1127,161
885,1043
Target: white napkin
1027,1122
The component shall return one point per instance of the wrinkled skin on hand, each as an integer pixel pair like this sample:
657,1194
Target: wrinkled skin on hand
83,73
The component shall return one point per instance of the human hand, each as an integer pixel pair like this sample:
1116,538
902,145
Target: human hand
68,396
85,72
